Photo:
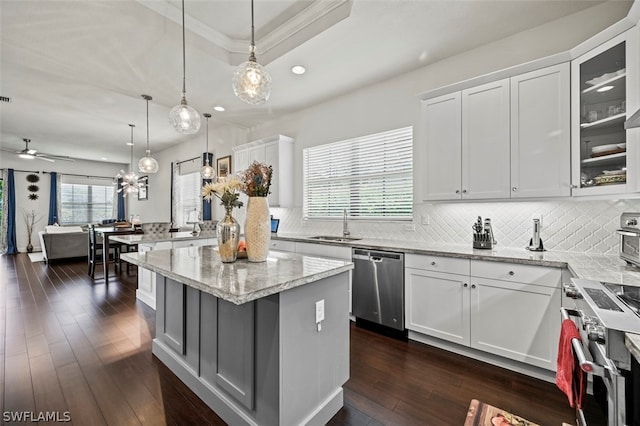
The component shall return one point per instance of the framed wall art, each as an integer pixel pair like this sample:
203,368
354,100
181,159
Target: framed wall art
223,166
143,192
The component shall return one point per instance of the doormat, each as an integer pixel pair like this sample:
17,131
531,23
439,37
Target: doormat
36,257
481,414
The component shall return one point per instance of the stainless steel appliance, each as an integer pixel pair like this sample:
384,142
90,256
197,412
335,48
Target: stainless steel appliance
603,318
378,287
630,237
535,244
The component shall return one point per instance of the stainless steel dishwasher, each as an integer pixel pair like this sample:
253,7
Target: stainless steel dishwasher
378,287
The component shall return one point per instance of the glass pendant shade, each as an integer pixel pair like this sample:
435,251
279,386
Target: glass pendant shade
207,171
252,83
131,183
148,164
184,118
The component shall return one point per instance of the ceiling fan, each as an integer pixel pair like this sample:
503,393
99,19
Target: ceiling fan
28,153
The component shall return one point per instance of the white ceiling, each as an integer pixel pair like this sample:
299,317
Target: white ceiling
75,70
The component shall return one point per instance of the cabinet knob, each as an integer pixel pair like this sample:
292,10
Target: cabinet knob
573,186
514,189
457,191
473,286
433,263
512,273
464,191
465,285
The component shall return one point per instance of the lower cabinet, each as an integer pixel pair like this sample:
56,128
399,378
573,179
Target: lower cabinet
510,310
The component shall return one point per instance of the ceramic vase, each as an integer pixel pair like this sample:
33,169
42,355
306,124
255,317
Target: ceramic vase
228,233
257,229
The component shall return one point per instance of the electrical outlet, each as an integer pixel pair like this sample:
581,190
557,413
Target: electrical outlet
319,311
410,227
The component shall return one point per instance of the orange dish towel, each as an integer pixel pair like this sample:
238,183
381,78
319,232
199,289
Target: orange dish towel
569,376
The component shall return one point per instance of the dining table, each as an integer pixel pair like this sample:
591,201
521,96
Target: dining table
106,232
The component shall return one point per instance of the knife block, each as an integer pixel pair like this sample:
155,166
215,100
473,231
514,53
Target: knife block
482,241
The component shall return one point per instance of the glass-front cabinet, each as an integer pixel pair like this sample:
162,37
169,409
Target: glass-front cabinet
600,98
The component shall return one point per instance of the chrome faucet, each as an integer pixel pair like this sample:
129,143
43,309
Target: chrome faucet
345,227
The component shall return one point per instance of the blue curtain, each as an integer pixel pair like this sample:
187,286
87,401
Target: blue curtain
121,213
10,187
206,205
53,199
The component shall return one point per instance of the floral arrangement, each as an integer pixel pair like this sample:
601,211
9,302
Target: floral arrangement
257,179
227,189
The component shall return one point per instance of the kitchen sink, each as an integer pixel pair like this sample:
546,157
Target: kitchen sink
334,238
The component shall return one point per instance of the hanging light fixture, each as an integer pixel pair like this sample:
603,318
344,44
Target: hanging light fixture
131,183
148,164
251,82
207,171
183,117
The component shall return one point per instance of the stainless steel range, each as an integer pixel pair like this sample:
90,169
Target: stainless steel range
603,313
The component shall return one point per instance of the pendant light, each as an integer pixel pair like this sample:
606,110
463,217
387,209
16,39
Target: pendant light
130,180
183,117
251,82
207,171
148,164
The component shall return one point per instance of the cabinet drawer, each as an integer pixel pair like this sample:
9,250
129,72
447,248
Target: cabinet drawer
324,250
450,265
282,245
529,274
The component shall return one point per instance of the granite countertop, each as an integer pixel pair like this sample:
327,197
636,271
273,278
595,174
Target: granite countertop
241,281
156,238
608,268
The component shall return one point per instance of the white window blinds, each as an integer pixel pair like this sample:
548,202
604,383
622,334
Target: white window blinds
370,176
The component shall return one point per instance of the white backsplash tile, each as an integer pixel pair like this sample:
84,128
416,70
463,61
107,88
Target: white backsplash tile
567,225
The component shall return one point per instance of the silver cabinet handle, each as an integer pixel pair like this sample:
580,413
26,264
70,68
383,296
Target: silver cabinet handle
473,286
465,285
514,189
464,191
574,186
433,263
457,191
512,273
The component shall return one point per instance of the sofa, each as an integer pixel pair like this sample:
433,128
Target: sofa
62,242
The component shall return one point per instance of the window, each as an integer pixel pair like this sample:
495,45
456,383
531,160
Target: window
187,185
85,200
370,176
1,198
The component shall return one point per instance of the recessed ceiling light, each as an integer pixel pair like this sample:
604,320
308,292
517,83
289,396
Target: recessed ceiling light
604,89
219,108
298,69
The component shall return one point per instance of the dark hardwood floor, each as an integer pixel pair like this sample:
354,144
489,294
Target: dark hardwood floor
72,345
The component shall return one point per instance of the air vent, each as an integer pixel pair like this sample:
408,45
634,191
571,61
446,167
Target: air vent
5,99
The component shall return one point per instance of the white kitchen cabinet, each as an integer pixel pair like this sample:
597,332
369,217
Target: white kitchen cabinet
146,291
485,141
442,162
540,133
604,92
504,139
437,297
505,309
276,151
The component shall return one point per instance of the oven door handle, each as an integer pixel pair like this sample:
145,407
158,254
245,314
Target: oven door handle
627,233
585,365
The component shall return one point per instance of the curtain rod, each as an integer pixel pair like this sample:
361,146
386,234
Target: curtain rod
186,161
59,174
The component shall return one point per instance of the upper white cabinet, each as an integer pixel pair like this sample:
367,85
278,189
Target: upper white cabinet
485,141
492,141
604,87
276,151
540,133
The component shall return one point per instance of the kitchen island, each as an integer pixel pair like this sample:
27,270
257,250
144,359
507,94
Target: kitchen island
245,337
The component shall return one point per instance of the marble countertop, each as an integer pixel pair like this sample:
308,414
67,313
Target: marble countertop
608,268
156,238
241,281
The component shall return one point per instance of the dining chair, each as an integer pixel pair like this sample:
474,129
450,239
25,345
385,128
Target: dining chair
95,251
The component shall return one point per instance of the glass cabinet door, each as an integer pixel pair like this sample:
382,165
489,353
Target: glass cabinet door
599,99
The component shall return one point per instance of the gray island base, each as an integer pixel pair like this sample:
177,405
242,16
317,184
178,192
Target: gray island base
243,336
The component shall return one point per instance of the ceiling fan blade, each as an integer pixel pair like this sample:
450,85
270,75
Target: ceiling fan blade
54,157
40,157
